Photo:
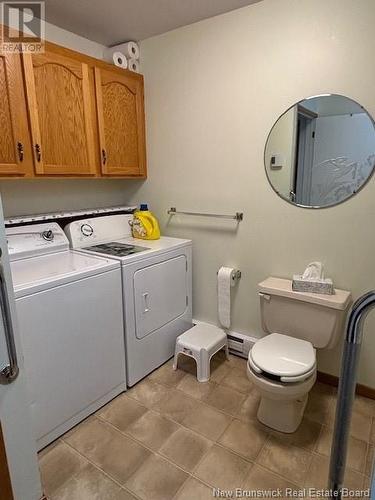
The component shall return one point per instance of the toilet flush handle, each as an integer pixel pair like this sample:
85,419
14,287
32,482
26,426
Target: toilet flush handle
265,296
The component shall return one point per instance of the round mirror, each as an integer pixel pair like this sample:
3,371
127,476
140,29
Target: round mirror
321,151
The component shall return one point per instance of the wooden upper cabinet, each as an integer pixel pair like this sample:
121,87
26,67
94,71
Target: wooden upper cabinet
63,113
120,112
59,98
15,148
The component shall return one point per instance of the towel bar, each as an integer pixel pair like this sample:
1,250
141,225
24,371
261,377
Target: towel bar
238,216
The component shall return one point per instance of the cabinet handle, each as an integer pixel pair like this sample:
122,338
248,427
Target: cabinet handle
20,151
38,153
104,156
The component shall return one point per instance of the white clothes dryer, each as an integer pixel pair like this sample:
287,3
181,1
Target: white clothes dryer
156,286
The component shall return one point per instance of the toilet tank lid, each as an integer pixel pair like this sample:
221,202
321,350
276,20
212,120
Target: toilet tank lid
283,287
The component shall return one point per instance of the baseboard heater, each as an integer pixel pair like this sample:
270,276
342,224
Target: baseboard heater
240,344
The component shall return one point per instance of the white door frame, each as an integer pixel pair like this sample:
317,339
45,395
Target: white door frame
305,155
15,413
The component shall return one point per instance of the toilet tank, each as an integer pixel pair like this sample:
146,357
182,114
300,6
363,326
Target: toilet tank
317,318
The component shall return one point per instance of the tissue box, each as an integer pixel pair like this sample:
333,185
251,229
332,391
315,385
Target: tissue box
324,286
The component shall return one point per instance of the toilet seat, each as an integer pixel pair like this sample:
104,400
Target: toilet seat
282,357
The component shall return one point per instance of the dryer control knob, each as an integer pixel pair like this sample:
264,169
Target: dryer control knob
86,230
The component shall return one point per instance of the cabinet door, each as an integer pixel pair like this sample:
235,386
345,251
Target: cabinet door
15,148
59,100
120,109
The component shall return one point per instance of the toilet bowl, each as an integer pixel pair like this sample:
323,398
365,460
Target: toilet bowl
282,365
283,369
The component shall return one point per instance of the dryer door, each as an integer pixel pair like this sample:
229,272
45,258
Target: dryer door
160,294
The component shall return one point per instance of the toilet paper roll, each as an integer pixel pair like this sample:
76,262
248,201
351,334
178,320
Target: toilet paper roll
225,280
133,65
117,58
130,49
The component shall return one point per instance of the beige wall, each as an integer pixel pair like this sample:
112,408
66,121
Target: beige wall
213,90
73,41
30,196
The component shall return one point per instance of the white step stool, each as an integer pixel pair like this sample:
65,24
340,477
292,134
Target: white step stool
201,342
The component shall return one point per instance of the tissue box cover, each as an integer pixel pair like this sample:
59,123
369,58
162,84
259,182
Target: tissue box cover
324,286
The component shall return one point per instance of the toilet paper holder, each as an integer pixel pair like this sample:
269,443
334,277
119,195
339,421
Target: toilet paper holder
235,276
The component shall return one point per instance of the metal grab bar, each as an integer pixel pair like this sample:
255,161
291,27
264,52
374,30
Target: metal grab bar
10,372
345,398
238,216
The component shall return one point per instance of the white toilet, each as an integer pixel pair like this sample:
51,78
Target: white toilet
282,365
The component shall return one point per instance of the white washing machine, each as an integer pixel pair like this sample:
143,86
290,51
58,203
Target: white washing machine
156,281
70,316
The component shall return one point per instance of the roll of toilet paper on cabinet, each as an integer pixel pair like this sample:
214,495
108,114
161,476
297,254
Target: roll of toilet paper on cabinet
117,58
130,49
224,283
133,65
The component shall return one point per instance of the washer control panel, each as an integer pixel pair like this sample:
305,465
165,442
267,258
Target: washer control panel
33,240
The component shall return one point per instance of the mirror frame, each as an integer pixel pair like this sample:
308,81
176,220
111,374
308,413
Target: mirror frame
321,207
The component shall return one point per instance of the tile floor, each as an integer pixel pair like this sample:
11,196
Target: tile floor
170,437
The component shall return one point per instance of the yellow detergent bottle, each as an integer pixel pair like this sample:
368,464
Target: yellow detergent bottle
145,225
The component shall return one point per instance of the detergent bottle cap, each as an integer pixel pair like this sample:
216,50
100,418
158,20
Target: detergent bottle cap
143,207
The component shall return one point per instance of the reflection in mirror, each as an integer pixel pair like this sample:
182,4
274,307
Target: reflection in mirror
321,151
